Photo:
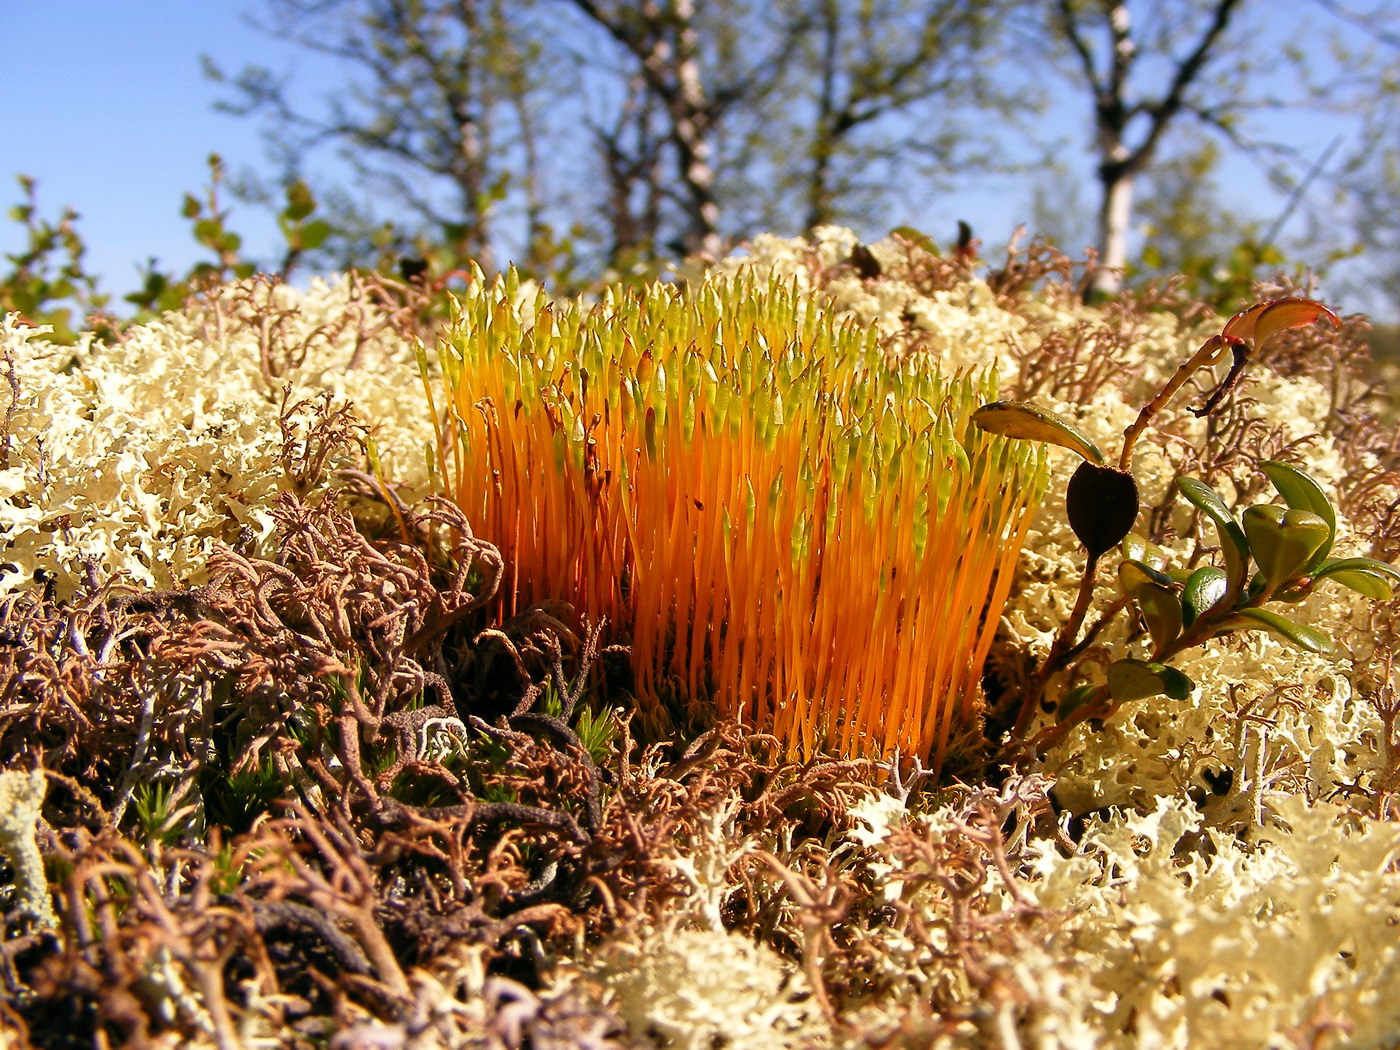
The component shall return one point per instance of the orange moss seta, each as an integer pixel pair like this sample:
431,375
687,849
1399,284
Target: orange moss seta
775,524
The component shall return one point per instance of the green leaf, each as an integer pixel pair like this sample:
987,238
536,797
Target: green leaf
1020,419
1365,576
1204,590
1366,584
1074,699
314,234
1233,543
1138,679
1135,548
208,231
1161,611
1283,542
1301,492
300,202
1371,565
916,238
1133,575
1303,637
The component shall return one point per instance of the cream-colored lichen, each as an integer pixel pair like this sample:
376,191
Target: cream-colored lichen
1187,937
691,984
142,455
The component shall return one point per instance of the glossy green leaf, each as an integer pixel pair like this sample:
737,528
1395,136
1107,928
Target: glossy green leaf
1135,548
1304,637
1133,575
1367,576
1233,543
1371,565
1301,492
1161,611
1020,419
1138,679
1074,699
1204,590
1366,584
1283,542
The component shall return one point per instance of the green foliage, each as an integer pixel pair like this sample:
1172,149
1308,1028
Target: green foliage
1270,553
1288,548
160,819
48,280
596,729
234,800
48,283
209,225
1218,256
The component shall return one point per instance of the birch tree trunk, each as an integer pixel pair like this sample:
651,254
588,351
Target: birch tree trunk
691,120
1117,109
663,39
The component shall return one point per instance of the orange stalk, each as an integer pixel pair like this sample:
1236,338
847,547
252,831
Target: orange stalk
778,527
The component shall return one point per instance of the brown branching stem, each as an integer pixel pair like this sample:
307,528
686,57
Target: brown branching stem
1060,651
1209,353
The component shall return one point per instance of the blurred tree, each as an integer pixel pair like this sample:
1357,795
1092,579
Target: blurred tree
630,149
1150,68
697,63
441,111
1188,231
1109,52
47,279
1372,182
1377,222
885,83
791,114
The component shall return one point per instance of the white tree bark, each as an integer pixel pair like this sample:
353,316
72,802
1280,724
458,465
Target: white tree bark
1114,227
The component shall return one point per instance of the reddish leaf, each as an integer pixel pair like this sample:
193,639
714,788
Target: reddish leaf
1259,323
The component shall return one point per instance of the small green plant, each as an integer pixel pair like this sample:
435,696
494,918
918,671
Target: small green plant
1270,553
163,821
48,279
235,800
596,729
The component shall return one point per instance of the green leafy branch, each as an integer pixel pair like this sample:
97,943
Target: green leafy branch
1270,553
48,282
49,271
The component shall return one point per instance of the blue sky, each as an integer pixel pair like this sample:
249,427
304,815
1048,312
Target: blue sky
109,110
